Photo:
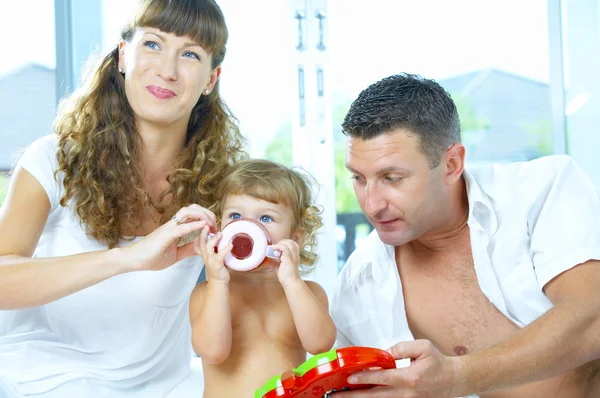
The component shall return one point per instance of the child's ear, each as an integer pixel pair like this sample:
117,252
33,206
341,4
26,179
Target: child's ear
298,235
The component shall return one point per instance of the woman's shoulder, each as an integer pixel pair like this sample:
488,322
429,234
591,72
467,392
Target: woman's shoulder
46,143
39,159
42,150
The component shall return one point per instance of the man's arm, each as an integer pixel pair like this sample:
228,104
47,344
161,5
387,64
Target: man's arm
564,338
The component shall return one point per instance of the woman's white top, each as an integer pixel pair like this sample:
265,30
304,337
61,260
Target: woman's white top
128,336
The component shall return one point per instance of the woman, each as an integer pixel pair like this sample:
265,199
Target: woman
94,208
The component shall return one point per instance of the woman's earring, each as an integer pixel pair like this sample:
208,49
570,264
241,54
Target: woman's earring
206,92
121,71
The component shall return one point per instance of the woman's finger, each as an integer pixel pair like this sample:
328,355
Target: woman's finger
208,213
195,212
176,231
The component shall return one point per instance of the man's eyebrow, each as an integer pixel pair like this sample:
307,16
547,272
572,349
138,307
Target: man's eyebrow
385,170
350,168
393,169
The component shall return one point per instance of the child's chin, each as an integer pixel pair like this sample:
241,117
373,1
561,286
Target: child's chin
264,267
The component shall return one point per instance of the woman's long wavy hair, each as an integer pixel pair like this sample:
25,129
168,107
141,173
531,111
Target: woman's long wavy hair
99,146
275,183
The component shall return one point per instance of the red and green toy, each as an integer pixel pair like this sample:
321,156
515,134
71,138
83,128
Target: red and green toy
327,373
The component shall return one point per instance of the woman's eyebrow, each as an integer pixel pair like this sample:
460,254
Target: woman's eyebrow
186,44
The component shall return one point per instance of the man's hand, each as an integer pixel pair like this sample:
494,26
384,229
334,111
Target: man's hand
430,374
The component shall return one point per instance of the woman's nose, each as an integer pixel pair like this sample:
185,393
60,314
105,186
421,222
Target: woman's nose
167,69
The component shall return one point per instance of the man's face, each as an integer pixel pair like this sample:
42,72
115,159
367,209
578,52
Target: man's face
397,190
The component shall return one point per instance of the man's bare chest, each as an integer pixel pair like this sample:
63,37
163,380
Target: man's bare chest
444,304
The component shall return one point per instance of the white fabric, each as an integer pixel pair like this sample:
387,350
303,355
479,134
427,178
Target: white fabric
193,385
528,221
128,336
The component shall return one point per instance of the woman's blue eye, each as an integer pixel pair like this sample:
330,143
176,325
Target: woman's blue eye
152,44
265,219
235,216
190,54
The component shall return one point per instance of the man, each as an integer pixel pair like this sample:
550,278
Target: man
488,280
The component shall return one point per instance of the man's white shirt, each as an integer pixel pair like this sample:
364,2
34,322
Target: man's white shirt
529,222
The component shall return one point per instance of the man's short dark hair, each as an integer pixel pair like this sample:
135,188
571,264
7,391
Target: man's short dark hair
406,101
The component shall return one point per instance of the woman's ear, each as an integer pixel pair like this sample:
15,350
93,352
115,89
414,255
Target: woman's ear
121,63
214,77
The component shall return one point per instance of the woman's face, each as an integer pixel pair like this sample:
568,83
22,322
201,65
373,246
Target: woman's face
165,75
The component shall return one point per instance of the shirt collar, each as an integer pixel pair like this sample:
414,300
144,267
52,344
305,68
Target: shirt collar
481,209
481,216
383,257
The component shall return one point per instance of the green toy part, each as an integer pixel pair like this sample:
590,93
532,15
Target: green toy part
317,360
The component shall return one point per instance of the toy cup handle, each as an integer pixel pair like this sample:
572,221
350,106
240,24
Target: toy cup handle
272,253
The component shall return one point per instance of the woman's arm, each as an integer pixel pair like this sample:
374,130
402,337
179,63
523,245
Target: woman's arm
27,282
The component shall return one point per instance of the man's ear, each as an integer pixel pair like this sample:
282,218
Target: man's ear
454,163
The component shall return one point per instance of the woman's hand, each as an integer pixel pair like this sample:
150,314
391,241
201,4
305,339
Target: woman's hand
287,271
213,261
160,249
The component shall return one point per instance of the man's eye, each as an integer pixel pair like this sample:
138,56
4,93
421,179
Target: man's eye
393,179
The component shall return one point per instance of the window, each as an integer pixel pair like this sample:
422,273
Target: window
581,49
27,79
498,76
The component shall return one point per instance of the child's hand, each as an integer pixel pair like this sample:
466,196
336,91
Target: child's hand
287,272
205,247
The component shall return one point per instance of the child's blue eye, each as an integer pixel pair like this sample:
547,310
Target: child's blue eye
265,219
235,216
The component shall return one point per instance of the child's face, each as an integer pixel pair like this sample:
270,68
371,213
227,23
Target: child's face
278,219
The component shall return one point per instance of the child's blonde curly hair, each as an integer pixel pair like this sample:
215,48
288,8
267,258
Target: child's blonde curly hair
275,183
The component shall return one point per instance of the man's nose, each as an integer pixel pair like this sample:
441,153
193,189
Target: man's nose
374,200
